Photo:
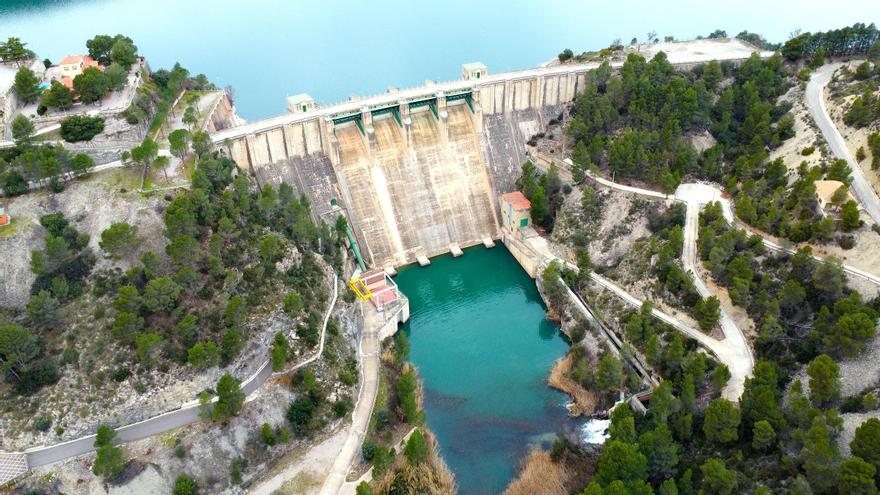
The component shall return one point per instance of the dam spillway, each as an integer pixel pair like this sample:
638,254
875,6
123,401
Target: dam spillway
416,188
416,171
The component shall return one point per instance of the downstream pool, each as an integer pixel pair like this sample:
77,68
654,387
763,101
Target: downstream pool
484,348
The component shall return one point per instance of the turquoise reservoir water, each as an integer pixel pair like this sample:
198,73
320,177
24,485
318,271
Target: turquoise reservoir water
268,49
484,348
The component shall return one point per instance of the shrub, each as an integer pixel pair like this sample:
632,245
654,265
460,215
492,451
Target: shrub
383,460
383,419
36,376
368,451
81,128
184,485
341,407
846,241
293,304
577,333
110,461
808,150
348,378
267,434
120,374
235,468
300,414
407,395
42,424
284,434
565,55
416,450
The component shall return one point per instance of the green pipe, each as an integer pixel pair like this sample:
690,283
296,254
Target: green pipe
354,247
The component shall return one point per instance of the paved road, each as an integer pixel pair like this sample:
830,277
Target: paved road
187,414
370,349
816,104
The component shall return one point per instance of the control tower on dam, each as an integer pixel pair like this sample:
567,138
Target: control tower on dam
416,172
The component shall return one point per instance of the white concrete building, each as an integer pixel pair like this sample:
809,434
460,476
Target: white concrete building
474,70
300,103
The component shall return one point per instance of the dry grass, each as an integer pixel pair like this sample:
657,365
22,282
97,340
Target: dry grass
301,483
431,478
584,401
539,474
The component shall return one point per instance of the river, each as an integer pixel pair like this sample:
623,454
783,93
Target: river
484,348
331,49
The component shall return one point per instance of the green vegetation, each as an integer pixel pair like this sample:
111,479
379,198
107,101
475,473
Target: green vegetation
119,239
22,131
91,85
854,40
117,49
303,413
110,461
14,50
782,292
544,191
864,111
44,165
230,398
416,450
738,448
777,439
58,97
774,441
184,485
159,91
623,123
187,306
396,412
874,145
27,85
81,128
280,352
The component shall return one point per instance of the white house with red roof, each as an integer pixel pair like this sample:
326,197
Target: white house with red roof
74,65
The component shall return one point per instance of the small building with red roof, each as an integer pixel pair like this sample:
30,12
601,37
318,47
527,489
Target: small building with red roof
74,65
515,211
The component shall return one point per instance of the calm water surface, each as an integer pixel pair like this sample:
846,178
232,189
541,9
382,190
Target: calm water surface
484,347
268,49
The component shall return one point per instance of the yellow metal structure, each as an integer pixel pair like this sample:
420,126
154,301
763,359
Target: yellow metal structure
360,288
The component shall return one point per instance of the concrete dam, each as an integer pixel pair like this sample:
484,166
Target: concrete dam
416,172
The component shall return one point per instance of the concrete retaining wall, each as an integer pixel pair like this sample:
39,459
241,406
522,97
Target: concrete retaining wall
400,317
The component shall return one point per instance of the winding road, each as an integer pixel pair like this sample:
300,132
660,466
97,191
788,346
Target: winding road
734,353
187,414
734,350
816,104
